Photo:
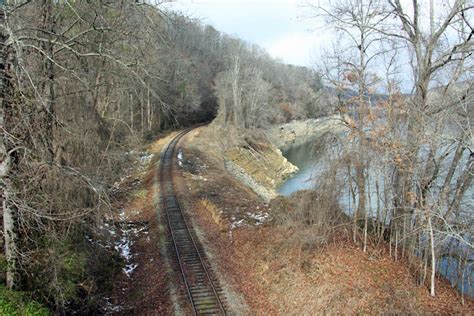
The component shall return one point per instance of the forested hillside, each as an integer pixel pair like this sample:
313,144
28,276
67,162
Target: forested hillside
99,103
85,82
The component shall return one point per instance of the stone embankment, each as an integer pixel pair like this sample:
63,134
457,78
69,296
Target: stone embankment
264,169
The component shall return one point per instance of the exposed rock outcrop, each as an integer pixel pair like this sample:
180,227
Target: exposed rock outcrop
262,170
300,132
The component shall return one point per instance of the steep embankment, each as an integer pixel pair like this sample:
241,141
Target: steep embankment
264,168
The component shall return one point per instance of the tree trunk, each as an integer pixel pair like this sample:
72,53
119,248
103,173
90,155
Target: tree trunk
351,189
361,182
236,95
131,111
50,117
148,111
433,257
8,211
366,220
378,225
9,233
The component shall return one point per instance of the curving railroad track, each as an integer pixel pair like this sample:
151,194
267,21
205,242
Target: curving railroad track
203,290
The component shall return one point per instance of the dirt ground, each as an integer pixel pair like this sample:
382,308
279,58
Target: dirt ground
146,289
273,274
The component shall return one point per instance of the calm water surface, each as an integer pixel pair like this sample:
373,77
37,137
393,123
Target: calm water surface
304,157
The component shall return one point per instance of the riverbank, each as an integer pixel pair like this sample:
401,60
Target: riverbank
262,167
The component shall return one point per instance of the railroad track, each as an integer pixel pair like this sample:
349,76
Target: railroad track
203,290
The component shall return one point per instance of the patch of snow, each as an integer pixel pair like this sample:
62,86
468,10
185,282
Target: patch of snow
89,239
202,167
124,244
145,157
259,217
236,224
111,307
96,242
180,157
129,268
198,177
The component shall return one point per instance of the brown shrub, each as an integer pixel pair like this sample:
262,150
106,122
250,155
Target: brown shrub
315,216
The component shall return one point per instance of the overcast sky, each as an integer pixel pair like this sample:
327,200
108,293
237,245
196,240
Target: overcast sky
277,25
283,28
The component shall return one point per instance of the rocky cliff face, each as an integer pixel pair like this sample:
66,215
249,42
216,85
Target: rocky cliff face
262,170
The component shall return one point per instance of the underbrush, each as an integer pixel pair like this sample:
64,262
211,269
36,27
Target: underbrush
13,303
315,218
317,250
71,273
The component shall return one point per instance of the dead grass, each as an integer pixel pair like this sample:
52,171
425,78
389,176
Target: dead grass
214,211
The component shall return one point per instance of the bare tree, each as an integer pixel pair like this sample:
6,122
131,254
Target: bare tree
434,50
421,137
355,22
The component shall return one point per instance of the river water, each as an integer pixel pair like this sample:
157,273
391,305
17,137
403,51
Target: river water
305,157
